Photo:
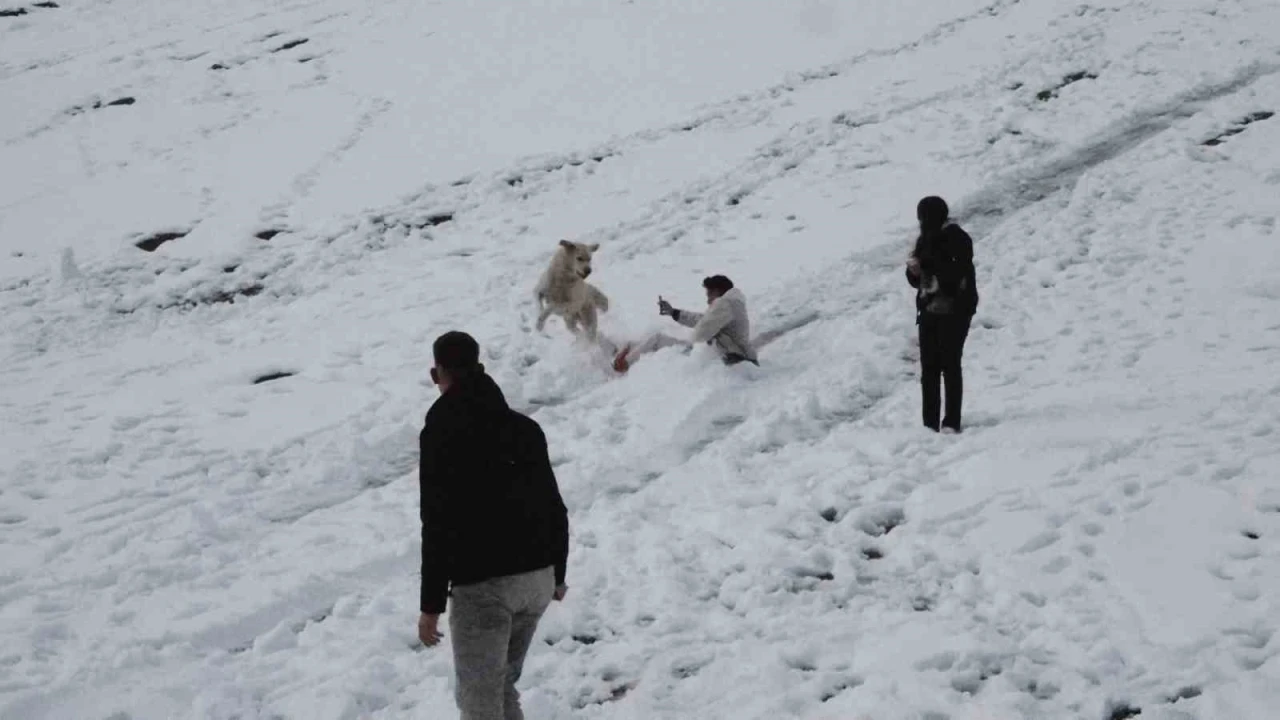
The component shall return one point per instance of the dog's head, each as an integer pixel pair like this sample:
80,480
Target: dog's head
576,257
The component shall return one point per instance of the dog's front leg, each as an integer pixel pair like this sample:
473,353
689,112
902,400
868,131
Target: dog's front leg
542,318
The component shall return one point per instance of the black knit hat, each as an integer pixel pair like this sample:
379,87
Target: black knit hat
932,211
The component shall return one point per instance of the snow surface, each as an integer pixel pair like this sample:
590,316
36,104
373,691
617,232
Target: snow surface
180,541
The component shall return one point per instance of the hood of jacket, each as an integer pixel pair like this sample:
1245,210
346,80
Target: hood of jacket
734,297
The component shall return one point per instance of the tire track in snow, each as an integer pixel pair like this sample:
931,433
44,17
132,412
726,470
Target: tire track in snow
984,210
670,219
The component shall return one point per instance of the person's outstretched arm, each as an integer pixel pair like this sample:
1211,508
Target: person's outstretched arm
687,318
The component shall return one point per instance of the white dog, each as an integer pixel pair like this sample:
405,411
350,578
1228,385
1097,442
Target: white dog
563,290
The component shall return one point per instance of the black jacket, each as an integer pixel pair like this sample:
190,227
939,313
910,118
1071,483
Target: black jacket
490,504
946,271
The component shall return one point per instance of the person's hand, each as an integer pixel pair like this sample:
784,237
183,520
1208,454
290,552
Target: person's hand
664,307
428,629
560,592
913,265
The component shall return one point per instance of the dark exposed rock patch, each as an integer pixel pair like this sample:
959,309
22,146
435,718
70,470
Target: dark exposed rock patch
152,242
98,105
1071,79
1238,127
278,375
291,45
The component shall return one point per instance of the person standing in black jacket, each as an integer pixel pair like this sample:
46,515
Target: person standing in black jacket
941,269
495,531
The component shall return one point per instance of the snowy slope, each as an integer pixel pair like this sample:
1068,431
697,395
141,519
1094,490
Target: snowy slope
180,542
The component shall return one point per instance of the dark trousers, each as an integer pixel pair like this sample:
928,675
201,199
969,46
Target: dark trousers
941,347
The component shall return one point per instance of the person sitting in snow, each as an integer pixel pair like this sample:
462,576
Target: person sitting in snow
725,326
941,269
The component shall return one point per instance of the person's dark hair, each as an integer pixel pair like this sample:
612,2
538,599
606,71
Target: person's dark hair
932,212
718,283
456,352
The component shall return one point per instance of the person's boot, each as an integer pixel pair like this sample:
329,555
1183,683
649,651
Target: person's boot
620,362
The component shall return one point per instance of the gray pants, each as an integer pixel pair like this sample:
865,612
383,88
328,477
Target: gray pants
493,623
657,341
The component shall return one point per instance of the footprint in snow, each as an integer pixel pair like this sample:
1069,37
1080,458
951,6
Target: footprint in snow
1056,565
1252,645
941,662
1035,599
1242,551
686,668
836,684
880,521
1217,570
715,430
1240,558
1040,542
1246,591
1123,711
1138,504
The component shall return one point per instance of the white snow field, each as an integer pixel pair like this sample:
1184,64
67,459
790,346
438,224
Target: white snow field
322,187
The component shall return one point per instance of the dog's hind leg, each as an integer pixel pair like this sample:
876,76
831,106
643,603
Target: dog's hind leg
540,302
589,324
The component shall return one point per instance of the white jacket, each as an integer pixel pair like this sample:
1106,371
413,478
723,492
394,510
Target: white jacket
724,325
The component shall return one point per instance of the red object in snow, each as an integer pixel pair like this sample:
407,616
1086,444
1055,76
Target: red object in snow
620,362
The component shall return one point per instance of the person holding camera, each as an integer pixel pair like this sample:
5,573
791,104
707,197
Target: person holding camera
941,270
